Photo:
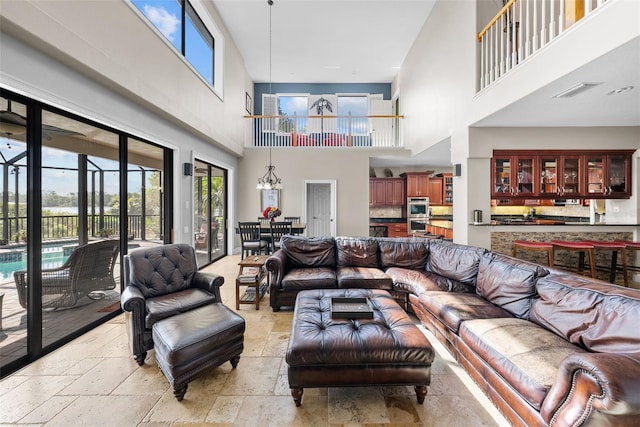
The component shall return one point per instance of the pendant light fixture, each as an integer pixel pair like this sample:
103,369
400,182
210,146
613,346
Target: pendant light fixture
269,180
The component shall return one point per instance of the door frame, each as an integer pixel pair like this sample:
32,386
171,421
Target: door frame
332,197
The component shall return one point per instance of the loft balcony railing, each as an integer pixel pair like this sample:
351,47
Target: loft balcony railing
324,131
521,28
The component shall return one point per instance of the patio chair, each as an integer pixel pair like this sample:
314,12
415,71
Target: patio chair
89,269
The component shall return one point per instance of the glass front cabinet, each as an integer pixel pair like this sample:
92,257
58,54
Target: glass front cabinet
545,174
514,176
608,175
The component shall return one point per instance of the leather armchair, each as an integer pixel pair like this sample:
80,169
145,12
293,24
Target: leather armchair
162,281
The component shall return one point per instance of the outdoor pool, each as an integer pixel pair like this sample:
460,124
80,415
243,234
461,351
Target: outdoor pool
52,257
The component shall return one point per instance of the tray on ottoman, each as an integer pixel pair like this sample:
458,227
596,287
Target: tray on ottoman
351,308
388,349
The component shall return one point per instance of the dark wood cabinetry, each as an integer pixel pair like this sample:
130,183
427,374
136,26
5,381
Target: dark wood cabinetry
397,229
418,184
435,191
386,192
568,174
447,189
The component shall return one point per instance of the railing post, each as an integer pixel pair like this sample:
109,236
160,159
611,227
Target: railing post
349,140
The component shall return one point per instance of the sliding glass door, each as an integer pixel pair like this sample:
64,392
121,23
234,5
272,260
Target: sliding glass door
76,196
210,195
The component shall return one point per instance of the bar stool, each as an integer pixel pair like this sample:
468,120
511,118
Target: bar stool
614,247
579,247
525,245
631,246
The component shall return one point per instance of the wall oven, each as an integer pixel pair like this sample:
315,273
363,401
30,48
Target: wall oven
418,207
417,214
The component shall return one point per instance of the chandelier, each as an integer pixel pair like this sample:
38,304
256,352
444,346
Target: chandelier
269,180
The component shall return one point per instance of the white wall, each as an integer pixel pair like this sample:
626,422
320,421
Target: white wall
437,90
350,169
112,44
101,61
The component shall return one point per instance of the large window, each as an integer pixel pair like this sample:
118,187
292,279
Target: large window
65,220
184,26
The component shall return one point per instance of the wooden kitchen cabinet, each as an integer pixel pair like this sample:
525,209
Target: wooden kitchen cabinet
514,175
418,184
447,190
564,174
397,229
386,192
435,191
608,175
560,175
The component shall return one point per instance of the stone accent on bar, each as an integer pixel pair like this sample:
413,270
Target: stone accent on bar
503,242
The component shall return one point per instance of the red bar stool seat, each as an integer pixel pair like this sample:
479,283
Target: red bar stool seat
580,247
525,245
631,246
614,247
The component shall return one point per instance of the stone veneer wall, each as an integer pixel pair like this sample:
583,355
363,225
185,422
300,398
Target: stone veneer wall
503,242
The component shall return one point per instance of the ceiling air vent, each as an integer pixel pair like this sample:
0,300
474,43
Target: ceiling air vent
574,90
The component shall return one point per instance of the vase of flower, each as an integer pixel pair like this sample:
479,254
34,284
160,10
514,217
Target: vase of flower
271,213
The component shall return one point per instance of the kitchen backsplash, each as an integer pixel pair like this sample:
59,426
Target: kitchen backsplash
399,212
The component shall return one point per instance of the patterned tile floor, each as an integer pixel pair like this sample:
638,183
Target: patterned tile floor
94,381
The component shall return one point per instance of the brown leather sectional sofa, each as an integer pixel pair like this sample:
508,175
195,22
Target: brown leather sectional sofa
548,347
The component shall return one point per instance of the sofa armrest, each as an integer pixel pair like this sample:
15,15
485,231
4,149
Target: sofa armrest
209,282
276,265
600,386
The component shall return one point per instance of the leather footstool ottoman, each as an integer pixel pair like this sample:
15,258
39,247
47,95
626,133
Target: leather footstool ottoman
326,352
189,343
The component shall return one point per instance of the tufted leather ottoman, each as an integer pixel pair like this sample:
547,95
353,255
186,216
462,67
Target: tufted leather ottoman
187,344
386,350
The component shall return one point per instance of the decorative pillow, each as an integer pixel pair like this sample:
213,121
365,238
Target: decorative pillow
509,282
357,252
457,262
595,315
309,251
407,253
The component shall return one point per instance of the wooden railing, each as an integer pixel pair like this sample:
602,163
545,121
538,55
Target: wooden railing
324,131
521,28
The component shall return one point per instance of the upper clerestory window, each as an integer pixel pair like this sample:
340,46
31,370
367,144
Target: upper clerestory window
191,32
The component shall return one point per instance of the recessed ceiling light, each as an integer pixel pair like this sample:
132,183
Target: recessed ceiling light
332,67
621,90
574,90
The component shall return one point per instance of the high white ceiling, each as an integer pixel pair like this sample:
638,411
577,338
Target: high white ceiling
324,41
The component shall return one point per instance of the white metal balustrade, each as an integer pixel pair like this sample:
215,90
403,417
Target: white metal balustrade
521,28
324,131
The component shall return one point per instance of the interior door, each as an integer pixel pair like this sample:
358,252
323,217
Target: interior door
320,208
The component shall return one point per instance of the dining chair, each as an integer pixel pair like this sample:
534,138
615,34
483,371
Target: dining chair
295,219
264,222
279,229
252,242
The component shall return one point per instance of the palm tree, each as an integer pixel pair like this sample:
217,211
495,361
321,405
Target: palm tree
320,105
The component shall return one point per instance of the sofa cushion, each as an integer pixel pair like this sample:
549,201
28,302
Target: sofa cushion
509,282
309,251
400,252
419,281
457,262
357,252
524,354
168,305
595,315
363,277
310,278
452,308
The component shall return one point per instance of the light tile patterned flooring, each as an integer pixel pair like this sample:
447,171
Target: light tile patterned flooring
94,381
